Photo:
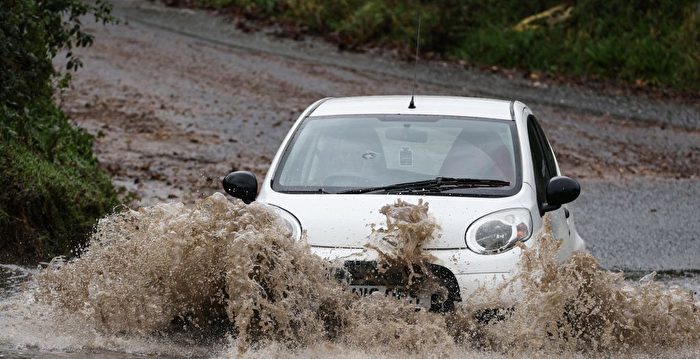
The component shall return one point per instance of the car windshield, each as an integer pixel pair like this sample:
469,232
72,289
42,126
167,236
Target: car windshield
365,154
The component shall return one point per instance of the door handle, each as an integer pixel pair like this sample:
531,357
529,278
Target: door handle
566,212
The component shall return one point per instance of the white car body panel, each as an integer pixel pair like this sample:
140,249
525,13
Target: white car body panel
426,105
338,225
453,215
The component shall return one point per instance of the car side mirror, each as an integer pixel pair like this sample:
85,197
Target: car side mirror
561,190
241,184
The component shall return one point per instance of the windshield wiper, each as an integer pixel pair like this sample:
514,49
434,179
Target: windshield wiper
438,184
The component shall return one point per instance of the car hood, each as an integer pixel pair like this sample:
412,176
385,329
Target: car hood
346,220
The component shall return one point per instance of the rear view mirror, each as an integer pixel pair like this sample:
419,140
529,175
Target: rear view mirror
561,190
406,134
241,184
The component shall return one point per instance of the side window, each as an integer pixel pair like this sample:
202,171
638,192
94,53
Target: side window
545,166
538,161
548,154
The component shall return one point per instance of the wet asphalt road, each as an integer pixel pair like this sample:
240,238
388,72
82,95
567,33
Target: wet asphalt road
641,224
195,98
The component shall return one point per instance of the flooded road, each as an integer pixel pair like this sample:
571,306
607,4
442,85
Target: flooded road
222,279
178,98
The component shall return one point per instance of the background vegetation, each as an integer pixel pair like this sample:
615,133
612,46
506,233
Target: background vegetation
51,187
654,42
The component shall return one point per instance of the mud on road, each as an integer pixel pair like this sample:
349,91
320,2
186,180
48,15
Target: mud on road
179,98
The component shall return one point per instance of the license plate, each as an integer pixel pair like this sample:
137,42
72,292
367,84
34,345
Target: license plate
422,299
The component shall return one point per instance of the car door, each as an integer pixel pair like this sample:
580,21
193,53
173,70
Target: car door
545,167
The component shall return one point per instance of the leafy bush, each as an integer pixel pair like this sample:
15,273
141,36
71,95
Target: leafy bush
52,187
648,41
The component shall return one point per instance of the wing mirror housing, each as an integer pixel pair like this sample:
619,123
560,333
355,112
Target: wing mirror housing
241,184
561,190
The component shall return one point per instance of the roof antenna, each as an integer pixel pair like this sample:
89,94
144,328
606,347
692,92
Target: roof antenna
412,105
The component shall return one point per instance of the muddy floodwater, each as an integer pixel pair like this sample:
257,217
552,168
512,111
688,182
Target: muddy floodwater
222,279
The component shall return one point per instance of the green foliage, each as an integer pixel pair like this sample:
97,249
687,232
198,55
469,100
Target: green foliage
653,41
33,31
52,187
649,40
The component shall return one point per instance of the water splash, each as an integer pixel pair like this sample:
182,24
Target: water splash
176,276
218,264
408,228
574,306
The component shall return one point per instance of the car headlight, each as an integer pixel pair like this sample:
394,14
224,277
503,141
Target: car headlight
291,222
499,231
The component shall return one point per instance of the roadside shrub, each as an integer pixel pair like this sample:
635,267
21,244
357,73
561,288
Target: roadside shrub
52,187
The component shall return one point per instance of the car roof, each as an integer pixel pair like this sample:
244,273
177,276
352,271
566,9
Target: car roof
425,105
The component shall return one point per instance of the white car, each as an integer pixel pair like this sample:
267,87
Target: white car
485,167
